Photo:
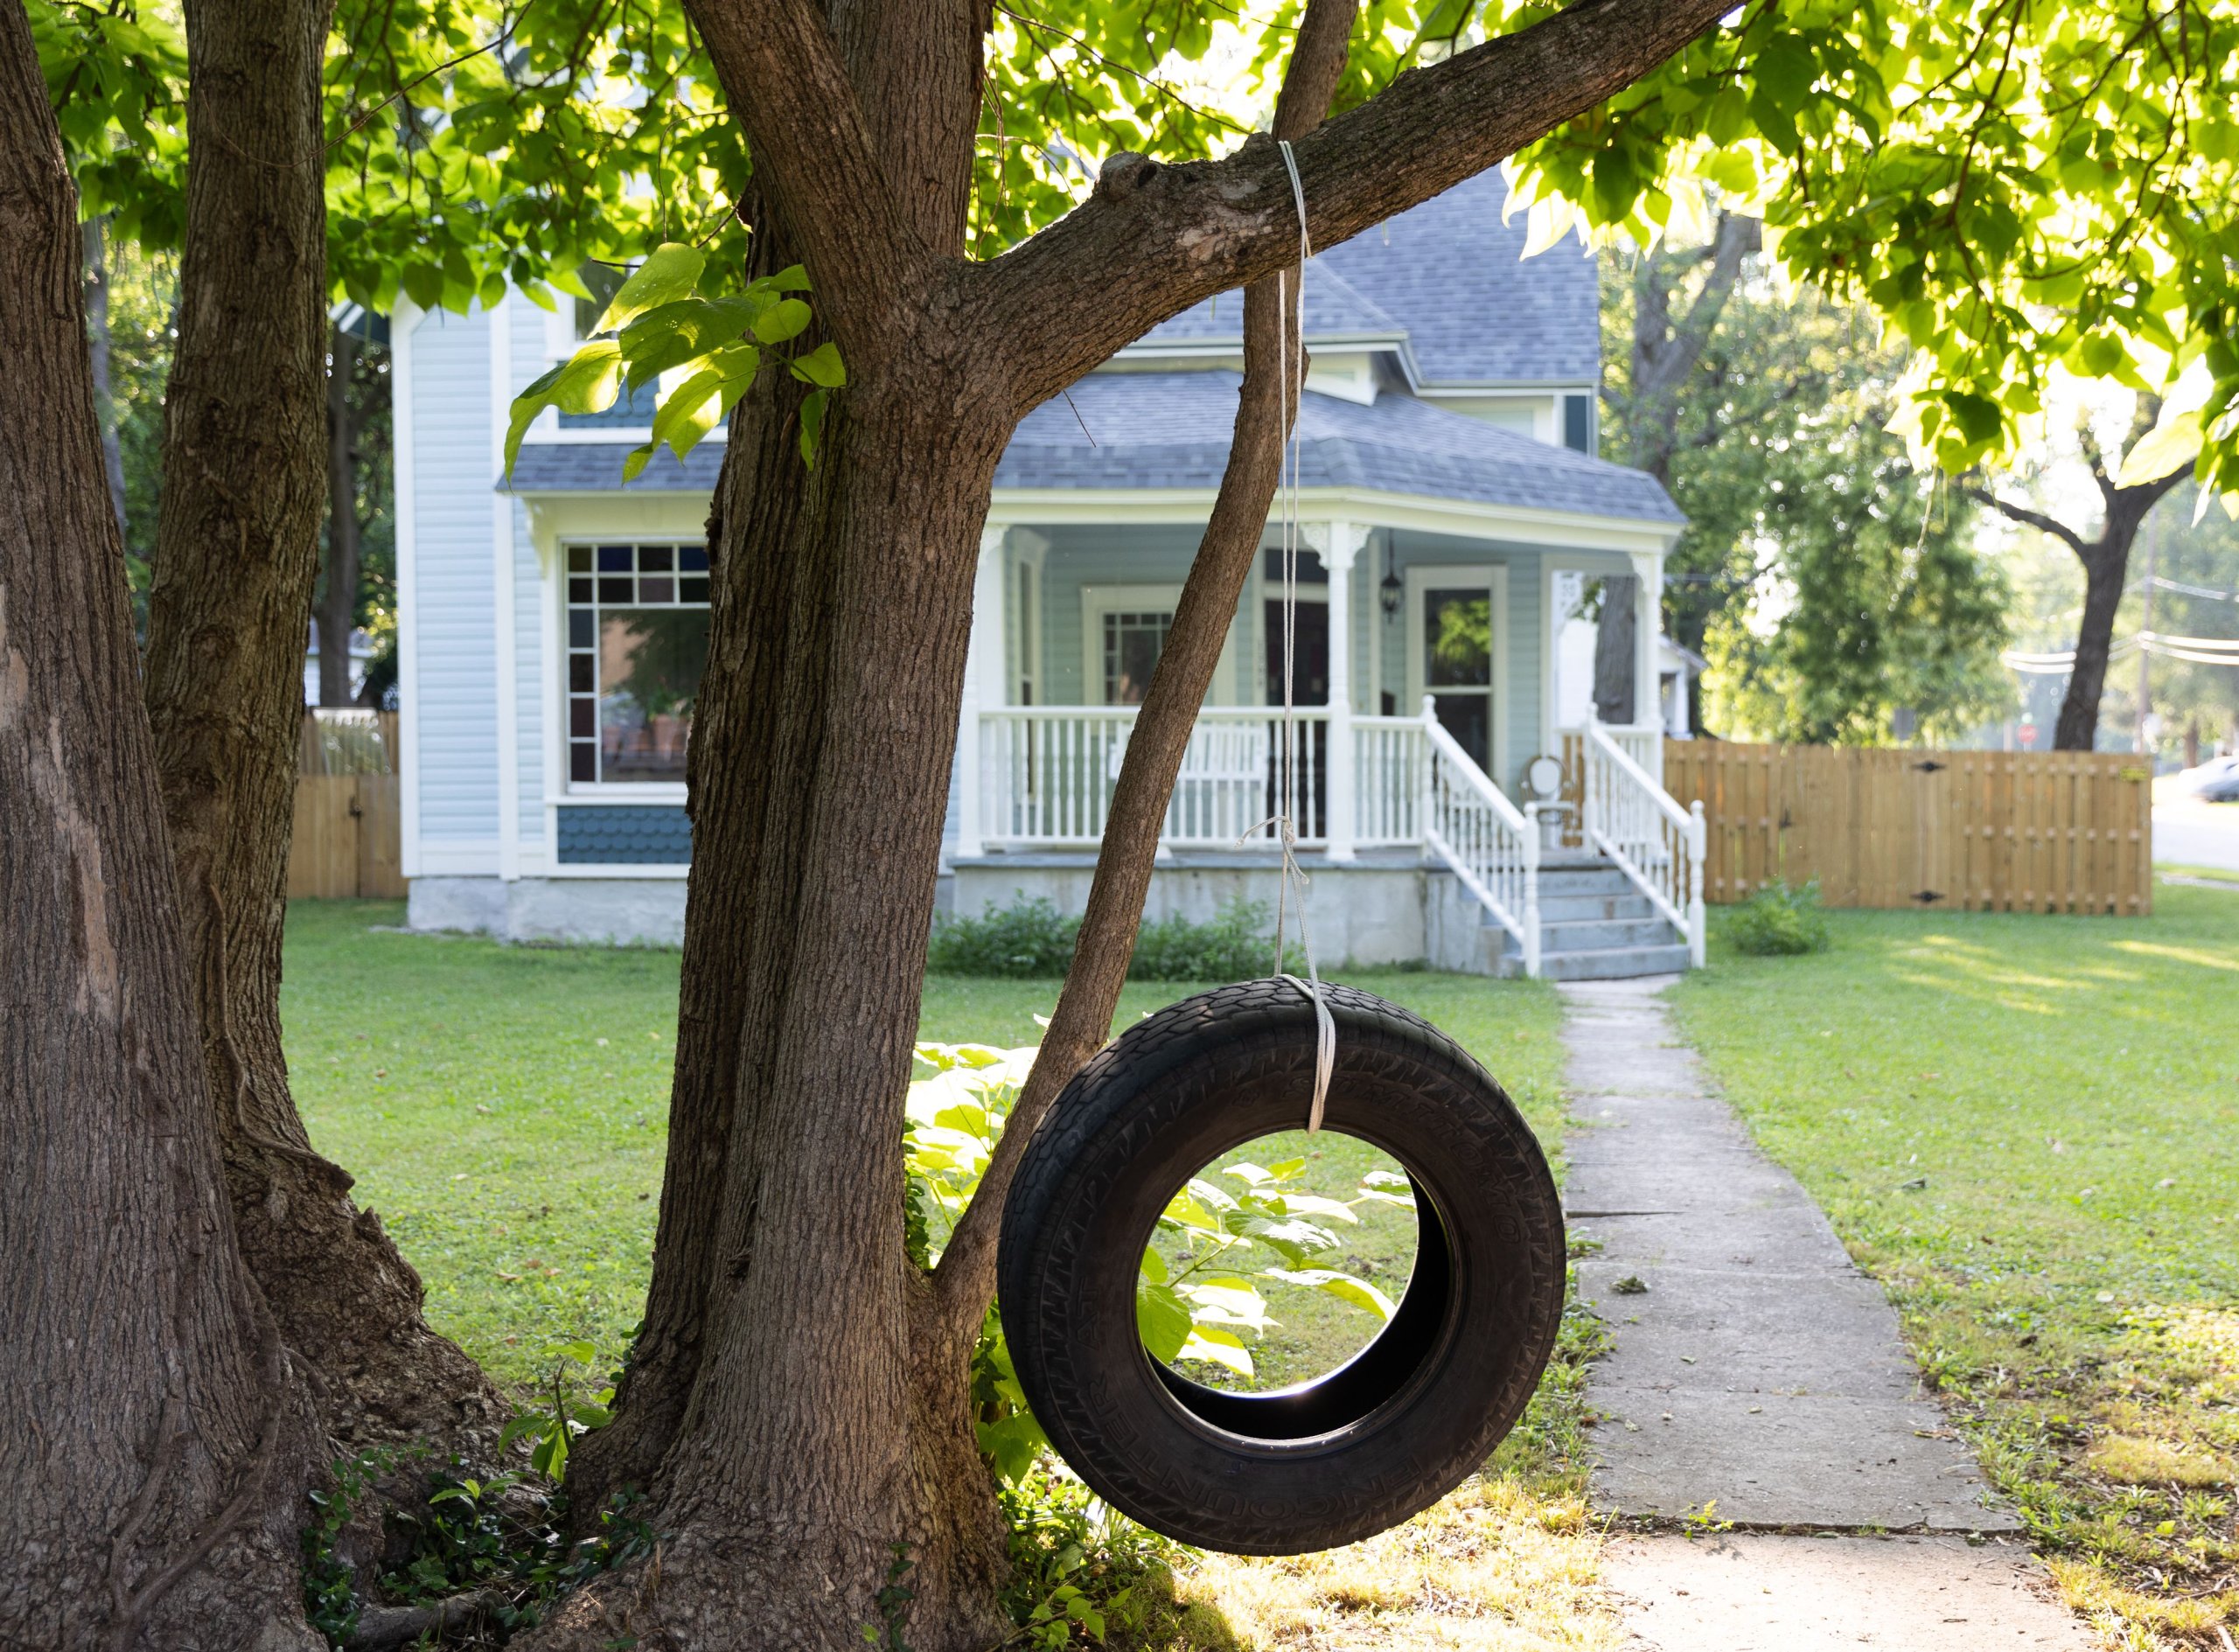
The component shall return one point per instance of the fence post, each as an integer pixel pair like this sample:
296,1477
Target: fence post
1698,844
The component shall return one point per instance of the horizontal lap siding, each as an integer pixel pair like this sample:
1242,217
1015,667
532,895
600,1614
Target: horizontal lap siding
533,670
452,505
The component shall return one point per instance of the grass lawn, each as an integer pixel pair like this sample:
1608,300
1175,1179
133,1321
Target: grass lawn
504,1109
2028,1128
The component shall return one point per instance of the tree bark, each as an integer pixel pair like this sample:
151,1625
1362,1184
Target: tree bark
337,608
2106,561
97,345
154,1444
245,465
1617,650
796,1398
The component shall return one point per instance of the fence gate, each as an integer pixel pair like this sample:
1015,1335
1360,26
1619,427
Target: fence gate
1982,830
349,823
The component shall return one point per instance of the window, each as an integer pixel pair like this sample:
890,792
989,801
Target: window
637,644
1132,645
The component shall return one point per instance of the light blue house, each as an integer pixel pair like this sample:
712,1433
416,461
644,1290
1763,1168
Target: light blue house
553,628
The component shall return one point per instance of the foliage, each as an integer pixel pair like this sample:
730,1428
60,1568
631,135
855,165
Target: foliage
1031,939
2012,188
1828,580
706,351
1779,920
1028,939
1076,1562
2067,1276
504,1537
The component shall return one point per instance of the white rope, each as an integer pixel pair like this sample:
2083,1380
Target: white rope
1291,351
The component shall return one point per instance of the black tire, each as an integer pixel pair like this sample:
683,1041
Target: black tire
1385,1435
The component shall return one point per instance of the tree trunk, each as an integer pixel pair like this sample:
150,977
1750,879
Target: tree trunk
98,350
2104,565
155,1447
781,1403
337,609
244,472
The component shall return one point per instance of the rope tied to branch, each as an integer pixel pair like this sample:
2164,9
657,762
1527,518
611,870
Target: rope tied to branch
1291,337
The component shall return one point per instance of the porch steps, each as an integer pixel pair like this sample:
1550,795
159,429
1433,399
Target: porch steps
1594,925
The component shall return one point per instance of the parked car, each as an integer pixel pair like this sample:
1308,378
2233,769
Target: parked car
2213,779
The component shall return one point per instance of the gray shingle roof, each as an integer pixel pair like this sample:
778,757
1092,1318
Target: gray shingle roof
1454,278
1171,430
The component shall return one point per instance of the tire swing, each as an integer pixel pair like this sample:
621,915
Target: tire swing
1404,1420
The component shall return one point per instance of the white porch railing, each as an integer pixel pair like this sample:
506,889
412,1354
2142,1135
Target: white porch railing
1048,773
1485,840
1628,816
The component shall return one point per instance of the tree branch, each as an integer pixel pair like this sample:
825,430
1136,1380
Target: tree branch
1151,240
2029,518
965,1278
1737,238
782,73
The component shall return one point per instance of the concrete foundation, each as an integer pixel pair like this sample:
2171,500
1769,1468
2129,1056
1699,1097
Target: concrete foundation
600,912
1368,911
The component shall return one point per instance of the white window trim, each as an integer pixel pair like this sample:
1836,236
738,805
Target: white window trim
1492,577
1097,601
562,790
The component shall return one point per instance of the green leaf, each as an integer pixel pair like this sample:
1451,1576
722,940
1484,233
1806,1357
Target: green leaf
821,365
786,320
1163,1321
586,382
582,1351
1344,1286
2170,445
1154,1269
670,274
1215,1347
685,330
812,426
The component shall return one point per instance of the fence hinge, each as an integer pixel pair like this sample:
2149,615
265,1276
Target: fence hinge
1930,765
1928,896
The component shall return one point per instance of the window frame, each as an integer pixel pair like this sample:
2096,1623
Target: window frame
1098,599
565,788
1492,578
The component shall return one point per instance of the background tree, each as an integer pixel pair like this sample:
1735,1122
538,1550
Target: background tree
2105,556
154,1417
1814,572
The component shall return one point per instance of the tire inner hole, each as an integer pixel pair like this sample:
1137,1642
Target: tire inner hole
1287,1289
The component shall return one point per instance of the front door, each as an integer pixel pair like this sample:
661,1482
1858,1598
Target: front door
1455,621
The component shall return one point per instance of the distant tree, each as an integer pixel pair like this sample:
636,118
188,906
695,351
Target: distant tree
2104,548
1870,597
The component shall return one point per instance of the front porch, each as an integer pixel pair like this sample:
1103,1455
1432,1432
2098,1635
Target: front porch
1421,827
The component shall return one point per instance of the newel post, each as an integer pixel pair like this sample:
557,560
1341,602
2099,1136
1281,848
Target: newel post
1532,889
1425,814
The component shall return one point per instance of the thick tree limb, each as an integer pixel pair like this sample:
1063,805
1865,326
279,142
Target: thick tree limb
783,73
1153,241
1107,944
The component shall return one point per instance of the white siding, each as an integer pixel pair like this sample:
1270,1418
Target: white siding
531,601
451,507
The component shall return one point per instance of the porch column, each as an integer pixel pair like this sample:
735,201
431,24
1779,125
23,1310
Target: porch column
1341,543
1648,702
983,685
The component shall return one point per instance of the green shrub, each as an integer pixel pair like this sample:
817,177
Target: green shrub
1779,919
1030,938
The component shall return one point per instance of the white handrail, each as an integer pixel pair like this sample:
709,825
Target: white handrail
1646,834
1485,841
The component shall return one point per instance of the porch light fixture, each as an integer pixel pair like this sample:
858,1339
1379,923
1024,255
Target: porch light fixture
1390,590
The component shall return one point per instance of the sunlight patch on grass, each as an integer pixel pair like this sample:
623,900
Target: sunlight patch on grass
2027,1129
1493,1568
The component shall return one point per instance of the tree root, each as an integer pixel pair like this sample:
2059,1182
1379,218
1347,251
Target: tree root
384,1628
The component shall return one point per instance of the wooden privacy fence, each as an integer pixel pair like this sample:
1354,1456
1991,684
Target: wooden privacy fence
349,829
1982,830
